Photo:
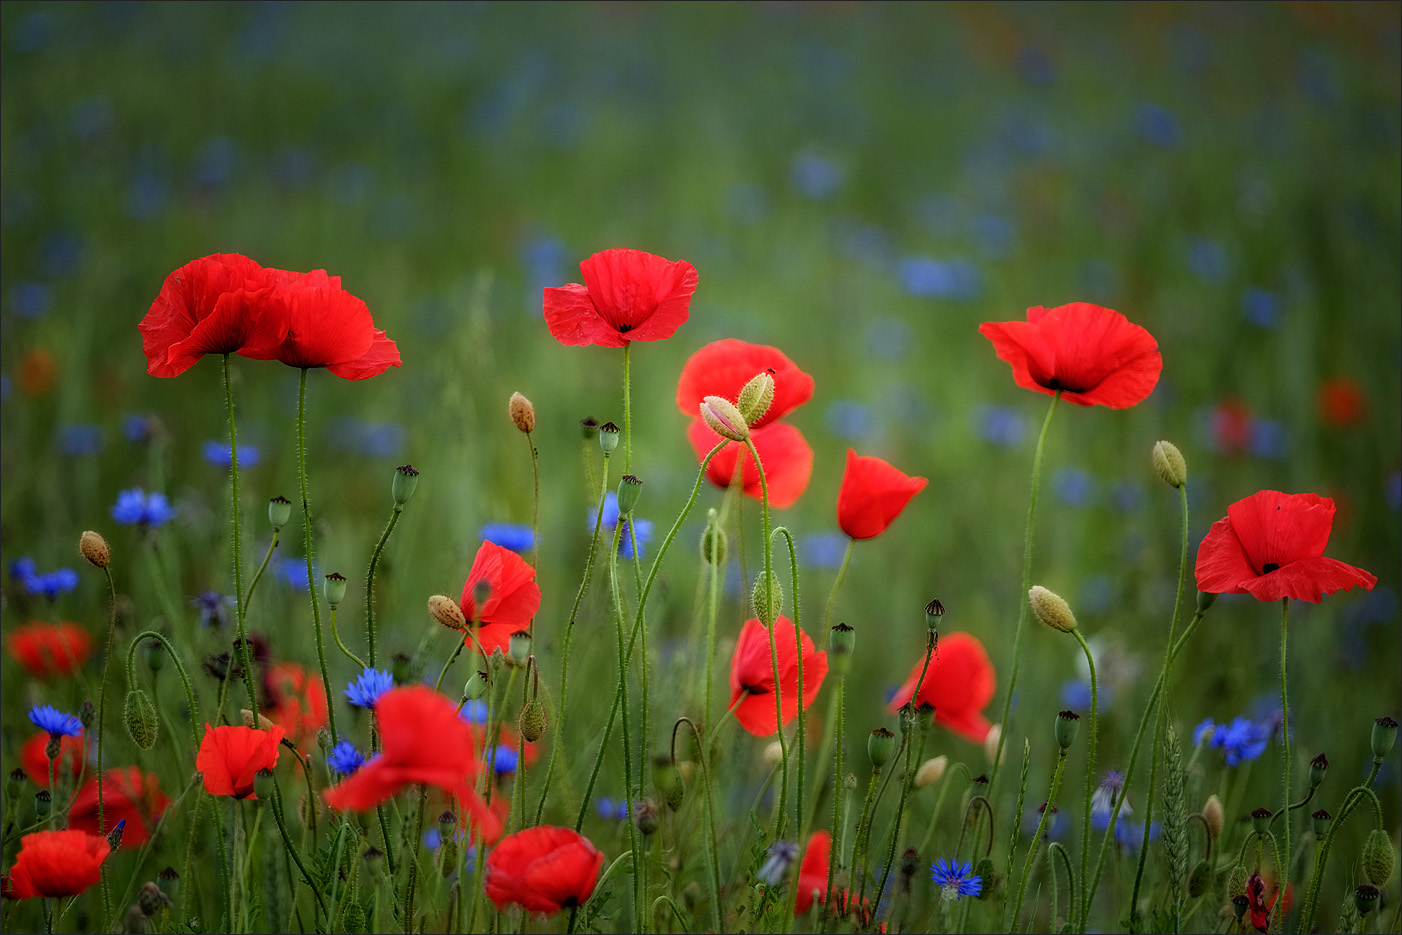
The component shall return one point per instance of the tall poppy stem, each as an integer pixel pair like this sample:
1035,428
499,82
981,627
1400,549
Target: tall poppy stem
241,607
820,766
1283,871
311,583
627,738
627,411
1090,771
773,648
1047,811
837,582
370,576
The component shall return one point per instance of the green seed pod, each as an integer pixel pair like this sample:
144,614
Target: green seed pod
476,686
767,598
1366,898
155,655
333,588
609,437
1261,820
142,723
1377,857
1321,823
43,803
1067,723
520,647
629,490
841,641
169,882
531,721
880,746
406,478
279,511
263,784
1384,735
1200,879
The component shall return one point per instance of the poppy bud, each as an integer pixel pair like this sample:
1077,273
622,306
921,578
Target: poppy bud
1321,823
629,489
933,612
608,437
773,754
1212,815
1261,820
520,647
645,815
985,872
522,413
142,723
94,548
842,639
447,612
399,668
14,783
930,771
1199,879
476,687
589,428
880,746
279,511
755,397
323,740
151,899
406,478
263,783
169,882
497,660
1384,734
1205,600
990,745
1318,767
1366,898
374,862
155,655
1067,723
531,720
767,598
1236,882
1169,464
87,714
1051,609
43,801
1239,905
1377,857
333,588
255,723
850,782
713,541
724,419
667,779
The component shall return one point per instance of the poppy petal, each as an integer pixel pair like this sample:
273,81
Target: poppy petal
873,493
1282,528
382,355
722,368
1309,579
573,321
785,453
642,296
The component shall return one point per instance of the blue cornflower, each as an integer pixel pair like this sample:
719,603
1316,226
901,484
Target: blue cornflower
1241,741
503,759
611,809
776,865
1075,694
292,571
642,528
514,536
22,569
849,419
1001,425
57,723
213,608
1074,486
52,584
1102,801
136,427
824,549
222,455
1129,835
955,879
366,690
81,439
135,507
1204,731
474,712
344,758
816,176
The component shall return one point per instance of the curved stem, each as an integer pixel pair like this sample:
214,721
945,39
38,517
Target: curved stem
802,714
712,857
627,739
1047,810
179,667
836,841
1321,858
307,543
370,578
360,663
258,575
101,725
837,582
900,811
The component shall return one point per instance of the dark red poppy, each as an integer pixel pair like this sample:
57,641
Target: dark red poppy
310,321
872,495
1261,905
298,702
785,453
47,650
752,675
229,758
1093,355
628,295
127,794
72,753
543,869
512,600
1342,402
213,305
423,741
57,863
1271,545
813,873
959,684
722,368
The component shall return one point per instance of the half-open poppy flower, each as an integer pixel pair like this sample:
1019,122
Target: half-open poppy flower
813,873
752,675
628,295
298,702
959,684
543,869
872,495
229,758
128,795
46,650
57,863
212,305
310,321
33,758
1093,356
1271,545
722,368
785,453
423,741
512,599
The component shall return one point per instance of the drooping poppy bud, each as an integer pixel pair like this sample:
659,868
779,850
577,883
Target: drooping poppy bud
94,548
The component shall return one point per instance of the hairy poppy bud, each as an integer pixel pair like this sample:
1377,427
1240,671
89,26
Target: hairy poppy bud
263,783
1365,898
447,612
406,478
724,419
520,647
1212,815
755,397
1384,734
1051,609
608,437
767,597
142,723
713,541
476,687
1239,905
323,740
531,720
155,655
1169,464
333,588
990,745
880,745
279,511
94,548
1236,881
1377,857
1321,823
645,816
842,639
449,862
629,489
930,771
1199,879
1318,767
522,412
984,870
667,779
1067,723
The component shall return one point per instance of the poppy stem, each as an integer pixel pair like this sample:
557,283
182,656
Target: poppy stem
622,693
242,608
258,575
370,580
837,582
1090,775
311,583
1283,867
1321,858
716,569
101,723
1047,810
768,611
179,667
712,857
627,410
839,697
359,663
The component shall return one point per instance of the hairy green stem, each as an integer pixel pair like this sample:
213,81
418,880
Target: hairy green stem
307,543
773,648
1321,857
1090,776
1047,809
179,667
336,635
370,578
712,855
1283,871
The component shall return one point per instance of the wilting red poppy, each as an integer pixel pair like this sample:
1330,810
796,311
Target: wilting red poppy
959,684
212,305
752,675
50,649
722,368
785,453
310,321
72,753
813,873
423,742
872,495
513,597
57,863
1261,905
1342,402
1094,356
543,869
298,702
127,793
1271,545
628,295
230,756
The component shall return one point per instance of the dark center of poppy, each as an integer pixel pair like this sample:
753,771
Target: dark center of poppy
1269,567
1053,384
756,689
624,329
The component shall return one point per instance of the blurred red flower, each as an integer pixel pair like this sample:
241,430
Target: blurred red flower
752,675
308,320
127,794
72,755
813,873
1093,355
50,649
872,495
424,741
628,295
1271,545
1231,425
230,756
213,305
298,702
1342,402
512,599
785,453
543,869
959,684
57,863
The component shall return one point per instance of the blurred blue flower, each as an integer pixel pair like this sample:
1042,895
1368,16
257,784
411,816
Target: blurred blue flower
213,608
367,689
222,455
517,537
642,528
31,300
611,809
1074,487
1129,835
1127,495
4,387
90,118
22,569
1240,741
33,32
824,549
994,235
372,439
927,278
562,126
57,723
815,176
432,839
1075,694
503,759
1102,801
1001,425
1261,308
1269,439
1207,259
294,167
291,570
849,419
344,758
136,427
214,162
1056,828
145,197
778,859
1034,66
1095,594
955,879
52,584
80,440
889,338
474,712
350,183
1157,125
1392,490
939,215
61,255
135,507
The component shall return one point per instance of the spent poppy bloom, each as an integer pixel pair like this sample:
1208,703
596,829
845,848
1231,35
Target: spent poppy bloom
127,794
512,598
752,675
1271,545
722,368
34,759
310,321
543,869
229,758
959,684
213,305
1093,356
628,295
298,701
813,873
48,650
872,495
1261,904
422,741
57,863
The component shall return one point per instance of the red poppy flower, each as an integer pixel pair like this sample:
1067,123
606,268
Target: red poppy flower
1093,355
1260,905
424,741
722,368
1342,402
959,684
813,872
872,495
47,650
230,756
310,321
298,702
543,869
785,453
57,863
628,295
128,794
513,597
72,756
212,305
752,674
1271,545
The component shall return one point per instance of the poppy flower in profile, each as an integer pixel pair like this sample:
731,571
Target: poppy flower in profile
1271,545
212,305
229,758
722,368
423,741
1093,356
310,321
813,873
752,675
47,650
298,702
128,795
512,598
628,295
57,863
959,684
543,869
872,495
72,756
785,453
